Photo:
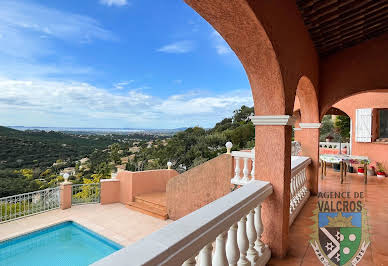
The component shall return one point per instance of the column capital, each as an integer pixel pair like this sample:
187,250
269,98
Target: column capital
272,120
310,125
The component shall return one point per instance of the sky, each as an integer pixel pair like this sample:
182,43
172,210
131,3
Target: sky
114,64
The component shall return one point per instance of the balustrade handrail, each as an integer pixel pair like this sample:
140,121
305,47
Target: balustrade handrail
298,163
243,154
183,239
28,193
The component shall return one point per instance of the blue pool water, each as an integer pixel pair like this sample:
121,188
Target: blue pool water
67,243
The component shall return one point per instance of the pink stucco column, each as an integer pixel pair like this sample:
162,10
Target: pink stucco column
310,148
65,195
273,164
110,191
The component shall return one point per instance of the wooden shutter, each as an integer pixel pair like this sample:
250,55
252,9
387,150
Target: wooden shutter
364,125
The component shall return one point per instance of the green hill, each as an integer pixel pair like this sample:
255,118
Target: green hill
30,149
196,145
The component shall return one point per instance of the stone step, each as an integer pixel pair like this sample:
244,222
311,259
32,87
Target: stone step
150,203
149,210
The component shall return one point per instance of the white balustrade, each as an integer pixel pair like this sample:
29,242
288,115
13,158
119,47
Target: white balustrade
338,146
245,176
233,221
299,193
22,205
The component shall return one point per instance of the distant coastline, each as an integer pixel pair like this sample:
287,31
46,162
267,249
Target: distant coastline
98,130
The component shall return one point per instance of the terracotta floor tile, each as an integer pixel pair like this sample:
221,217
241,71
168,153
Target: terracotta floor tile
376,202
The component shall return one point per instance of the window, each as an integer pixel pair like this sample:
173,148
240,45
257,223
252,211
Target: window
372,125
383,123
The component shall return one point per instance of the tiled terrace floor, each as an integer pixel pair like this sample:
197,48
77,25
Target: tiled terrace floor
376,202
114,221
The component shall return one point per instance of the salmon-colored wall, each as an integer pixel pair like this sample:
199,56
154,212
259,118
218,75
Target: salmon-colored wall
136,183
110,191
375,151
65,195
199,186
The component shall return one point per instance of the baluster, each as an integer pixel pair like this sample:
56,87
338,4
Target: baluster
236,177
242,241
259,245
232,251
297,194
245,171
219,257
253,170
300,194
304,182
190,262
205,255
292,193
252,236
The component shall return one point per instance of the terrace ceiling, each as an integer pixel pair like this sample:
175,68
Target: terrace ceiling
337,24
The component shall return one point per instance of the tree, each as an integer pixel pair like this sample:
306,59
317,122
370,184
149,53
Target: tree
327,127
342,124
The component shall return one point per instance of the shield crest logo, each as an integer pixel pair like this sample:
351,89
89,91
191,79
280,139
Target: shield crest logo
340,238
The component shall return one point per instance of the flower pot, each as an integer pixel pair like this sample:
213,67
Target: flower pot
360,170
381,174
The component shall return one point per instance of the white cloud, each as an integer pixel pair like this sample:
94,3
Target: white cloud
222,48
123,84
114,2
180,47
66,103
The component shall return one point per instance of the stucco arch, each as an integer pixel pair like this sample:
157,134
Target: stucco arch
358,69
238,25
337,104
255,31
307,101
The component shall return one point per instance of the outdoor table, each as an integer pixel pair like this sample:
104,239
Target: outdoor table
342,160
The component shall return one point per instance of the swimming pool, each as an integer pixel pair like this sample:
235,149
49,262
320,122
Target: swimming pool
67,243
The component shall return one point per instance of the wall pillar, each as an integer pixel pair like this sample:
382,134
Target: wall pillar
110,191
310,148
66,195
273,164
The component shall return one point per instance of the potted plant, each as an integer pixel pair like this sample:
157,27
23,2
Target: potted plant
329,138
361,169
380,170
